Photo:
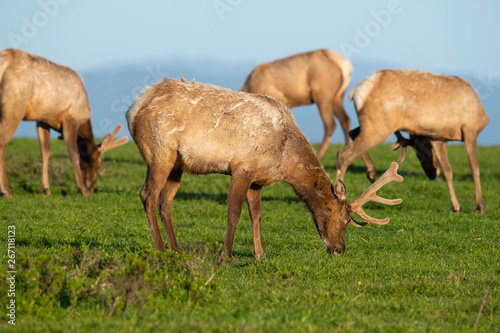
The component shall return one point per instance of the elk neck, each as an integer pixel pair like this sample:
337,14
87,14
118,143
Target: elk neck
311,183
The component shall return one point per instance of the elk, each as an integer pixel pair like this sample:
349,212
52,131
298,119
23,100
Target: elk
34,88
320,77
198,128
432,108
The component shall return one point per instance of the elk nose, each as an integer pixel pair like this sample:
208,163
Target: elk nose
337,250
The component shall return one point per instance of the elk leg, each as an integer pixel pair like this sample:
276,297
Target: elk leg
43,132
167,195
4,183
442,156
326,113
470,146
156,180
236,196
7,131
359,147
370,167
70,131
254,207
345,121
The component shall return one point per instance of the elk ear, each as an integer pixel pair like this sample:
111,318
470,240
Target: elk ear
339,190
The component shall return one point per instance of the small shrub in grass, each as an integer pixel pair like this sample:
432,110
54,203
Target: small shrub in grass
82,278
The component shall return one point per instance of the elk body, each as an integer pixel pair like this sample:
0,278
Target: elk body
320,77
34,88
198,128
432,108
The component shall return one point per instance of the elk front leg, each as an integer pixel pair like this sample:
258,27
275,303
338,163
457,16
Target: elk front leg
470,146
70,131
236,196
167,195
442,156
43,132
370,167
254,207
7,129
359,147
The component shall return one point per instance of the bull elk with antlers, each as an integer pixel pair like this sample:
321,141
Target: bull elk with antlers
432,108
198,128
320,77
34,88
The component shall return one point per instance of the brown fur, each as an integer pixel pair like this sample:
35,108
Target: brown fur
36,89
430,107
320,77
199,128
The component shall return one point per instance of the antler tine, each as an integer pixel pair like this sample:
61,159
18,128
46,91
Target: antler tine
370,195
401,142
108,143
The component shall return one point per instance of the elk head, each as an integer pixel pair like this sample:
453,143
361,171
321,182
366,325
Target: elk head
334,237
424,151
90,156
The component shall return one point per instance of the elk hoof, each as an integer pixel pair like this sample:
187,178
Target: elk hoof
371,177
6,194
481,209
82,192
457,210
46,191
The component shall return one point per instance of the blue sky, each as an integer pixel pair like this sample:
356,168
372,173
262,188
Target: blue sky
441,36
452,37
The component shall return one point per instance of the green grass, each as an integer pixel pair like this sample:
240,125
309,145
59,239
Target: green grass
88,263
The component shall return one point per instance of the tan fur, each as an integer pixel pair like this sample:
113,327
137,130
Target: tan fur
430,107
198,128
320,77
36,89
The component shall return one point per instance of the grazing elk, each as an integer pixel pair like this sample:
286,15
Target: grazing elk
432,108
320,77
34,88
198,128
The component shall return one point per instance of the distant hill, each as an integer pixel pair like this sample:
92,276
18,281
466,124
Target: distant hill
112,89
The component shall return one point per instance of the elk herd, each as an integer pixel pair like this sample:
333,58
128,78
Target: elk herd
251,135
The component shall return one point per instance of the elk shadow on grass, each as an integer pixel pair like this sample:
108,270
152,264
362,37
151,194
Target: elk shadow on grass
361,169
221,198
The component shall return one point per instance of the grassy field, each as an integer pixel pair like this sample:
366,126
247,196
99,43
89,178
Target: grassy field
88,263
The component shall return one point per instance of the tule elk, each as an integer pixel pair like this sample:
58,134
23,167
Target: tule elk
320,77
432,108
198,128
34,88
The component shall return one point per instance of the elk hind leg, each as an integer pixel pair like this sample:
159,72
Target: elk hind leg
166,199
156,179
345,121
326,113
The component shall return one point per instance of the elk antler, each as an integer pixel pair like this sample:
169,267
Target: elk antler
401,142
108,143
370,195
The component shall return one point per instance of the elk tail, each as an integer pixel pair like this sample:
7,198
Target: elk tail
345,68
